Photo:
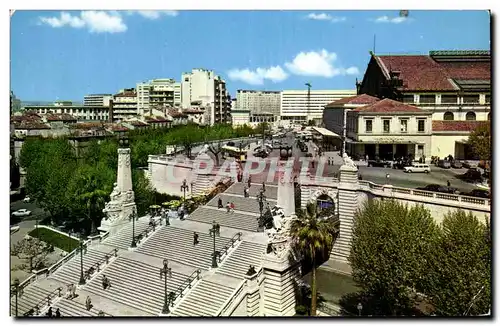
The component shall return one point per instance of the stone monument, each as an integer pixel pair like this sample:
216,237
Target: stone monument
121,206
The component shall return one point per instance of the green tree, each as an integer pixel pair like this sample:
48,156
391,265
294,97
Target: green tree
33,251
461,271
480,141
144,193
392,246
94,199
313,239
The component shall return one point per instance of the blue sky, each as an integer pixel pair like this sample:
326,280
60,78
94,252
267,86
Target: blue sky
65,55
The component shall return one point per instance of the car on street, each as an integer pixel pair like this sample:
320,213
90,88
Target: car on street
21,212
417,168
438,188
400,165
444,164
481,193
469,165
456,164
27,199
379,163
472,175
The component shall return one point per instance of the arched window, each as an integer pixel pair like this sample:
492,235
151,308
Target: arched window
470,116
448,116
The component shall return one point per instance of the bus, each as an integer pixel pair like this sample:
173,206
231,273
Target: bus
232,151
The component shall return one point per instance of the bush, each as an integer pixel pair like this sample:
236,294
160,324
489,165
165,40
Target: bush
55,239
301,310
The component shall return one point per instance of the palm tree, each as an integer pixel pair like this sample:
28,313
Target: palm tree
312,238
94,200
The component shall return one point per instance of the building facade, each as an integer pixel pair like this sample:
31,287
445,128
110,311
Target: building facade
97,99
301,106
268,102
205,87
80,112
158,93
124,105
451,85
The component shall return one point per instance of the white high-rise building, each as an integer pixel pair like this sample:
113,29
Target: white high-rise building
97,99
158,93
258,102
206,88
298,106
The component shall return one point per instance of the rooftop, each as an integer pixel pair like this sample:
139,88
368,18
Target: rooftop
389,106
455,125
358,99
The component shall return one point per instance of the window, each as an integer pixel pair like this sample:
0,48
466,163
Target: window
427,99
449,99
470,116
471,99
448,116
408,98
387,126
487,98
404,125
368,125
421,125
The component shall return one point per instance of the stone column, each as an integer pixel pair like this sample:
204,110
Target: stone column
124,174
253,295
286,190
348,204
279,284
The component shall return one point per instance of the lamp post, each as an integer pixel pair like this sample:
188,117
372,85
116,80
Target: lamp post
184,187
360,307
261,198
213,233
308,100
16,291
133,244
167,272
82,279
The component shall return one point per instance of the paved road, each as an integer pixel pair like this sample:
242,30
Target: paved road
36,212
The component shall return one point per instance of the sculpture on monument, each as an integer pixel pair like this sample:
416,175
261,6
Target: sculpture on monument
348,161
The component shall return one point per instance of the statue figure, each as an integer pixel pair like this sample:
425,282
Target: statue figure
115,194
348,161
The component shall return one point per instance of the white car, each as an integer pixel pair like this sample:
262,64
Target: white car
27,199
417,168
21,212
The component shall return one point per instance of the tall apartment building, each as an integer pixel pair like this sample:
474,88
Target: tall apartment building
124,104
201,85
158,93
258,102
80,112
97,99
301,106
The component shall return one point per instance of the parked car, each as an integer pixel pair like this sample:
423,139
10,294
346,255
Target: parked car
21,212
262,154
439,188
27,199
401,164
417,168
445,164
456,164
478,193
472,175
469,165
379,163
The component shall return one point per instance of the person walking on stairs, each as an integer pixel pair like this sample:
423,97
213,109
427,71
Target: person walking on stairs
228,207
219,203
232,207
249,180
58,313
49,312
195,239
88,303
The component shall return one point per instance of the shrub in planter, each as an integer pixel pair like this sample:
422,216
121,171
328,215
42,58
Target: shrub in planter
301,310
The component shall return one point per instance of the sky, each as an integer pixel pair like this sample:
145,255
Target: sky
67,54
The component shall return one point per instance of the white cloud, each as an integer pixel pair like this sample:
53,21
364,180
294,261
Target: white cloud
155,14
94,21
386,19
318,64
324,16
275,74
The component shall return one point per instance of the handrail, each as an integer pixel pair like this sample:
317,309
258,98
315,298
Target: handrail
96,266
229,301
48,299
187,283
148,229
225,249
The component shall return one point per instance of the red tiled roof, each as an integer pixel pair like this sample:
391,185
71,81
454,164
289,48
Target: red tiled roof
192,111
388,106
176,114
358,99
60,117
137,123
156,119
422,73
88,125
456,125
116,127
27,116
29,125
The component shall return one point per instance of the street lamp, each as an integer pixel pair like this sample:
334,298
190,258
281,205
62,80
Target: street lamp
82,279
16,291
184,187
360,307
308,100
214,231
133,244
167,271
261,198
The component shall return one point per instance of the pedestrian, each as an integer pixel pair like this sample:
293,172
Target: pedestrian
232,207
263,187
219,203
49,312
228,207
249,181
104,282
195,239
58,313
448,183
217,228
88,303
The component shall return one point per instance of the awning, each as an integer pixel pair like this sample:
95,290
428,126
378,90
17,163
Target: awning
325,132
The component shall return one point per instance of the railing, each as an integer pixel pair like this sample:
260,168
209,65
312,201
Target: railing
149,229
229,244
97,265
186,284
104,237
47,300
234,295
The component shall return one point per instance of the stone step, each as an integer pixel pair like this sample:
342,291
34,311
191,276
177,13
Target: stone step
73,308
32,295
237,188
250,205
232,220
237,264
123,238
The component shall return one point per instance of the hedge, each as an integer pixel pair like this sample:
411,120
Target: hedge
56,239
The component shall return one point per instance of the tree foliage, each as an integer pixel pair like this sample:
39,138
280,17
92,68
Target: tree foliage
480,141
401,257
33,251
